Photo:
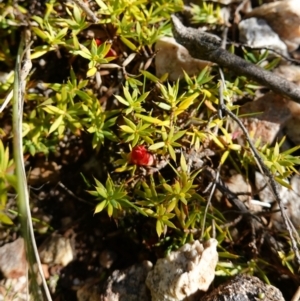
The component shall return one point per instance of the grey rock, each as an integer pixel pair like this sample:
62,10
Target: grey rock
179,276
244,288
13,262
13,266
257,33
290,199
128,284
284,18
56,250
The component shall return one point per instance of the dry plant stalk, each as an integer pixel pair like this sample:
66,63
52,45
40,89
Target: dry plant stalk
22,69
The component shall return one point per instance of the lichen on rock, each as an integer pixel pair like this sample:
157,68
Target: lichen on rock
244,288
185,271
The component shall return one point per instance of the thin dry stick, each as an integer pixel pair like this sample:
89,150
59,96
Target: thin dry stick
222,84
209,201
253,220
221,103
273,184
205,46
73,194
87,10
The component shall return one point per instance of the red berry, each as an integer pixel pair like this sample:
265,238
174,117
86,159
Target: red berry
110,53
98,42
140,156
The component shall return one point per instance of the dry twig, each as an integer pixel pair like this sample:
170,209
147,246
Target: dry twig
205,46
87,10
